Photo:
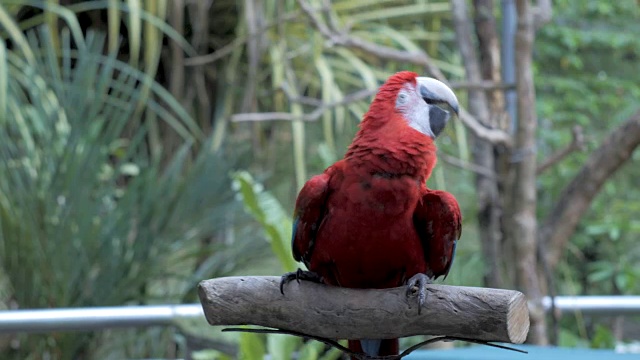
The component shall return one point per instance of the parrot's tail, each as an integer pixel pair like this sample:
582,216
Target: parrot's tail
374,347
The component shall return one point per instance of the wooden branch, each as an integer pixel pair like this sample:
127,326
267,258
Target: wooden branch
478,105
465,165
490,60
524,196
577,143
481,85
340,313
495,136
491,193
575,199
321,107
312,116
336,37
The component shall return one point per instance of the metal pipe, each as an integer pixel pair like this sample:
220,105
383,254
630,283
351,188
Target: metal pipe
509,23
595,305
95,318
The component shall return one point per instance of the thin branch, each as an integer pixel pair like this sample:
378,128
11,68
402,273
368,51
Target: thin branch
336,37
454,161
228,49
494,136
321,107
361,356
216,55
312,116
266,116
616,150
325,341
456,85
577,143
481,85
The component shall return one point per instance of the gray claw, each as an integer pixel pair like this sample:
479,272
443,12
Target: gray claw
297,276
420,281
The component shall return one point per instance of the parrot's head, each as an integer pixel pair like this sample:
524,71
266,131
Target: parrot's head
421,102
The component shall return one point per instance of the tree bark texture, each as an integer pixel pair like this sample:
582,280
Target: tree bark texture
576,198
523,219
489,209
494,155
339,313
490,62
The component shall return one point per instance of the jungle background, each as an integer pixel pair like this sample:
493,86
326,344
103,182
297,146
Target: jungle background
147,145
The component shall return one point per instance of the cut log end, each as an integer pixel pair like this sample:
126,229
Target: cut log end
339,313
518,319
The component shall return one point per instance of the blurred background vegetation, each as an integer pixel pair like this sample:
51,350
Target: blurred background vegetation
131,168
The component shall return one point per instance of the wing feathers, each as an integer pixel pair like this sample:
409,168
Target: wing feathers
308,215
438,222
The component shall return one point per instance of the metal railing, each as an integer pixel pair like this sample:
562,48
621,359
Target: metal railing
95,318
69,319
595,305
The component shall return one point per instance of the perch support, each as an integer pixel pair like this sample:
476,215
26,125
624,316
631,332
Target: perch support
340,313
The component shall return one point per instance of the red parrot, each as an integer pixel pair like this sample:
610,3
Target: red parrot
369,221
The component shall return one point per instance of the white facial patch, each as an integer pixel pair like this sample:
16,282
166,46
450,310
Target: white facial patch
414,109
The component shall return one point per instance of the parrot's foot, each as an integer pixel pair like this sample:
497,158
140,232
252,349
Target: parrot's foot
297,276
419,282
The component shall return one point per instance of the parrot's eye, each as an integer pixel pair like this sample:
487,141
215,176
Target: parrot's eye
402,98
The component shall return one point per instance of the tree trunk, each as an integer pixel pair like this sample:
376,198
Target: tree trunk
489,209
523,221
491,155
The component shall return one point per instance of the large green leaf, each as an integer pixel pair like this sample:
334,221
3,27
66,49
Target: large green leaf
270,214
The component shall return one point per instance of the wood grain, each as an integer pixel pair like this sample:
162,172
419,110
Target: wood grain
339,313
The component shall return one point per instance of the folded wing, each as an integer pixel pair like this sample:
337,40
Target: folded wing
309,213
438,221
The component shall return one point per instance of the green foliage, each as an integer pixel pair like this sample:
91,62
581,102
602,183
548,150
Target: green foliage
284,347
299,67
87,216
270,214
570,339
138,192
603,338
130,180
251,347
209,355
586,68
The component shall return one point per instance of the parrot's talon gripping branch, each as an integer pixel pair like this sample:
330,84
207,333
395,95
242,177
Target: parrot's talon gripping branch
297,276
418,283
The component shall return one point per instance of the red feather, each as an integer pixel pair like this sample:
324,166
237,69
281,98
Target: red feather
439,224
369,220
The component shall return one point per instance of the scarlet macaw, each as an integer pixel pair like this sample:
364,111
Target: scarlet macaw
369,221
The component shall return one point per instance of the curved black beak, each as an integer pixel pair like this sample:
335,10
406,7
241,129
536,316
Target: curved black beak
436,92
